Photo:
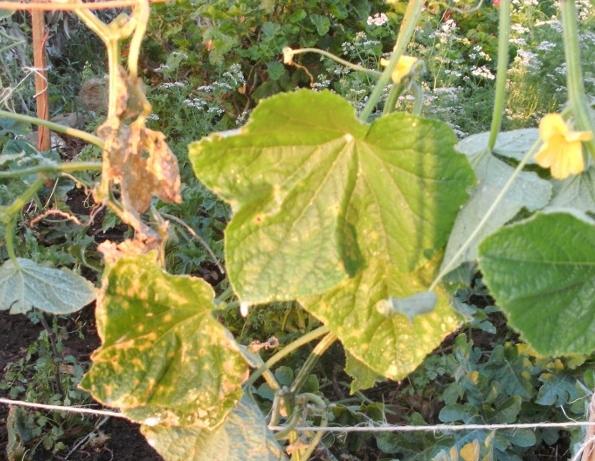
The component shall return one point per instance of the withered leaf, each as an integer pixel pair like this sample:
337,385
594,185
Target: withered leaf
141,162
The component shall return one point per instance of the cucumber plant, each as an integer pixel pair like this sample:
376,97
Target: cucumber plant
361,222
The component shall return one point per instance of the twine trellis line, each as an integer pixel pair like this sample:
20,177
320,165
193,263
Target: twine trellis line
64,408
581,452
436,427
376,428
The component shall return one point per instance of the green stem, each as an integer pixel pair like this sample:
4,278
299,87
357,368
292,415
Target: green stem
56,356
316,353
486,216
113,58
223,297
574,75
418,104
336,58
94,23
9,232
88,137
270,379
393,96
412,15
22,200
141,13
289,426
196,237
305,455
132,219
304,339
110,37
59,168
500,96
10,212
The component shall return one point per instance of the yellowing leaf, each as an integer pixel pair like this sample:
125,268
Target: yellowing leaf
141,162
301,164
470,451
341,216
392,346
164,359
242,437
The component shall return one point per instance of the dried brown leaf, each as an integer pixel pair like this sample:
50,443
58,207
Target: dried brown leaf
141,162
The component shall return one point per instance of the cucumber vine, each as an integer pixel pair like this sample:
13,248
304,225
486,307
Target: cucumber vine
348,217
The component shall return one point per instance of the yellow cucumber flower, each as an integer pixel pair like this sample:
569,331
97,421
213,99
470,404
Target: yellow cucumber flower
403,67
562,150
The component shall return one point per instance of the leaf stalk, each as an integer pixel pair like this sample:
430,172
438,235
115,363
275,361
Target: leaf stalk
88,137
69,167
502,69
574,74
285,351
312,359
292,52
410,20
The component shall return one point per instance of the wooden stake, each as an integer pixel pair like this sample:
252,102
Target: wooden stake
41,83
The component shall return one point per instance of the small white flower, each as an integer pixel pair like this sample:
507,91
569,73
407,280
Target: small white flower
379,19
170,85
546,46
483,72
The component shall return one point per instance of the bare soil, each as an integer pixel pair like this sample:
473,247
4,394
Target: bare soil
124,441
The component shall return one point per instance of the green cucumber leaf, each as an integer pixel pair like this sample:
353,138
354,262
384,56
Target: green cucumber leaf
242,437
542,274
527,191
27,284
164,359
340,215
286,176
362,377
576,192
390,345
291,176
512,144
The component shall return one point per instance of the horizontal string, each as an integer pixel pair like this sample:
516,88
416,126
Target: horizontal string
43,406
435,427
379,428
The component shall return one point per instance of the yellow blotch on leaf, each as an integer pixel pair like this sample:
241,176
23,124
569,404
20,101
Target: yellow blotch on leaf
402,69
562,151
473,376
470,452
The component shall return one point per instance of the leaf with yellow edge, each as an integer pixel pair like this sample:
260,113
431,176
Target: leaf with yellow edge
390,345
164,359
243,436
300,165
341,216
